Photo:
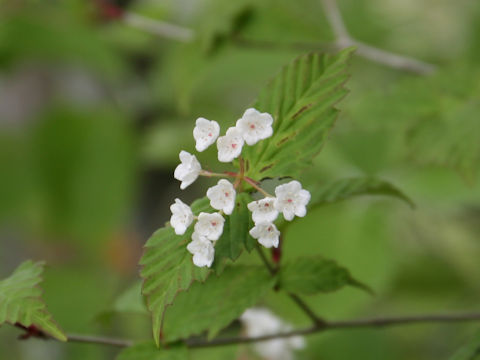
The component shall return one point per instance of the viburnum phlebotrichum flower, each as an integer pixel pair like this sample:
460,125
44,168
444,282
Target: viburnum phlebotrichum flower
290,199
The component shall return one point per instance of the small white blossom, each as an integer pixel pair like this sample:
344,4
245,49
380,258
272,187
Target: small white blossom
291,200
202,250
188,170
230,145
210,225
255,126
182,216
266,233
205,133
260,322
263,210
222,196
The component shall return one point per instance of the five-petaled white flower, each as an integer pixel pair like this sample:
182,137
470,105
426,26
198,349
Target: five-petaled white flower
222,196
210,225
291,200
182,216
188,170
263,210
230,145
255,126
261,322
205,133
266,233
202,250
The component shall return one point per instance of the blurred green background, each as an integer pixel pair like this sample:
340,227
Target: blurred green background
93,114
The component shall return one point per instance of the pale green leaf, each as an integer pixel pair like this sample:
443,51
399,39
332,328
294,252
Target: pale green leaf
301,100
21,301
312,275
346,188
131,300
168,269
235,235
148,351
217,302
470,351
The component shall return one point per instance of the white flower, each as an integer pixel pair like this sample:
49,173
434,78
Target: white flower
210,225
230,145
205,133
255,126
263,210
182,216
291,200
260,322
202,250
266,233
222,196
188,170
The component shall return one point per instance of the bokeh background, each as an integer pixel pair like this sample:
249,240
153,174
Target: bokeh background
94,111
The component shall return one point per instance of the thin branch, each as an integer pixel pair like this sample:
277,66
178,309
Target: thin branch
159,28
347,324
343,39
89,339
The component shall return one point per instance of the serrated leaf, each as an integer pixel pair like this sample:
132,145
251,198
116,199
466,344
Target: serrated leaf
217,302
21,301
148,351
235,235
301,100
312,275
168,269
470,351
346,188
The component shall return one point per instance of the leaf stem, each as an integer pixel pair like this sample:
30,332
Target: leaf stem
100,340
254,184
214,174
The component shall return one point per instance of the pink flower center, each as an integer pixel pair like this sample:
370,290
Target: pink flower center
267,205
252,126
214,223
290,200
234,146
227,194
269,228
210,134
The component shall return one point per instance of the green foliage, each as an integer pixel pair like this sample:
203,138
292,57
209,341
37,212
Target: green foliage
346,188
131,300
301,100
312,275
221,20
21,300
148,351
470,351
235,236
217,302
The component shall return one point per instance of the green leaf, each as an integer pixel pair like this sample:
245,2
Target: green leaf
312,275
148,351
217,302
235,235
131,300
21,301
301,100
470,351
346,188
168,269
221,20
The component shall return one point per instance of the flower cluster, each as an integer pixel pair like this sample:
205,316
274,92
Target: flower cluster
290,199
260,322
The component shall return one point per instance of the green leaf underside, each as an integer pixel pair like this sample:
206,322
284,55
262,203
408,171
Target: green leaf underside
312,275
148,351
235,236
167,265
217,302
301,100
21,302
346,188
470,351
